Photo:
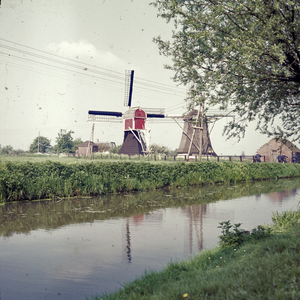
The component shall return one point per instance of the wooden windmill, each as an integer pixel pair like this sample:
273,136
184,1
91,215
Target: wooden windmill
136,135
191,136
195,139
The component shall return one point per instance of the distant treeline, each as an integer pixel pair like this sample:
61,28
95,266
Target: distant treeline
50,179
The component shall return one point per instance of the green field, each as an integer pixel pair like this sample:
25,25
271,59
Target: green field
42,177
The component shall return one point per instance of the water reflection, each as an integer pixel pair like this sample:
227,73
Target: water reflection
26,216
79,247
281,195
128,246
195,215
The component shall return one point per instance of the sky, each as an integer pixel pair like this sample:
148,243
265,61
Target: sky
61,58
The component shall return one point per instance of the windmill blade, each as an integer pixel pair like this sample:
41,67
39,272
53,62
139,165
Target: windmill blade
155,116
155,112
105,116
128,87
212,114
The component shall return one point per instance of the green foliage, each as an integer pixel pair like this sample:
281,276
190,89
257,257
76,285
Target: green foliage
18,151
50,179
238,54
64,142
7,150
104,147
174,152
160,149
233,235
115,150
40,144
286,220
76,142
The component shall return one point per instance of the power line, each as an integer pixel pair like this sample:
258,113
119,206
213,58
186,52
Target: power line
62,57
165,92
87,64
101,73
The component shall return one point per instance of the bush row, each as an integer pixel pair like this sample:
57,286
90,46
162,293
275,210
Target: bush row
50,179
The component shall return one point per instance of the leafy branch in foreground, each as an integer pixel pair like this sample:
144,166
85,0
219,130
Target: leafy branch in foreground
237,236
241,54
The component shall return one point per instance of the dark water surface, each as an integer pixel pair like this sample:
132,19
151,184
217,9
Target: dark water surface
69,249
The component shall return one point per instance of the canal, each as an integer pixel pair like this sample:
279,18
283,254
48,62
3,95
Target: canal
73,248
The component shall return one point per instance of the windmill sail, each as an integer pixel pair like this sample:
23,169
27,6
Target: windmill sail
105,113
105,116
129,74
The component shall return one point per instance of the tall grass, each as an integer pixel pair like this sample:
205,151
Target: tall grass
52,179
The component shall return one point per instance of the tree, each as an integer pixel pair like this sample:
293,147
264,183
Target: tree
103,147
115,150
76,142
7,150
174,152
159,149
40,144
18,151
64,142
239,54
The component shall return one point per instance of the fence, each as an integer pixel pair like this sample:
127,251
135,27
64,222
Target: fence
159,157
225,158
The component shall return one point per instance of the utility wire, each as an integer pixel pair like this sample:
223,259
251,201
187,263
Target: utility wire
165,92
82,66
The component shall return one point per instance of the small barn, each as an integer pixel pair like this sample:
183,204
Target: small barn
86,148
278,146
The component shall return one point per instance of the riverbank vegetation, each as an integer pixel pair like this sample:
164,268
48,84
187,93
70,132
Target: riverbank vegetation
263,266
53,179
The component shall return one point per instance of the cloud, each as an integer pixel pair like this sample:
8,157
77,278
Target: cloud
84,51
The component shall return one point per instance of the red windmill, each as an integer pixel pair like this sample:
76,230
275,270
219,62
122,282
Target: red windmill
136,135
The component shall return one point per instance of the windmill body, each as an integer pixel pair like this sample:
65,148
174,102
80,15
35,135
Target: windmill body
185,141
135,119
136,140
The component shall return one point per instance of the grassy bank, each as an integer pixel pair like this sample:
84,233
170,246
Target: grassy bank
53,179
266,265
